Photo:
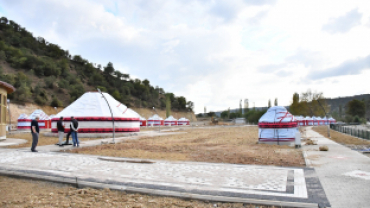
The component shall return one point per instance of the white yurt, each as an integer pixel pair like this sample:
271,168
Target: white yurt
326,120
93,115
183,122
309,121
332,120
23,122
277,126
301,120
321,121
43,119
315,121
170,121
155,120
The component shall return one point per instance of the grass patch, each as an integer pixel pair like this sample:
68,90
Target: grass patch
236,145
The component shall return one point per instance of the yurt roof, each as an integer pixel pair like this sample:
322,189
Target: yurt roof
155,117
130,111
41,114
142,118
276,114
171,118
23,116
308,118
183,119
92,104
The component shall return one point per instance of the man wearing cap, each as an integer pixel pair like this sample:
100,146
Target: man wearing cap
60,127
35,130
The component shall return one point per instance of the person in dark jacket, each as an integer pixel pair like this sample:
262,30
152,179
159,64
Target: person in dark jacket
35,130
60,127
74,130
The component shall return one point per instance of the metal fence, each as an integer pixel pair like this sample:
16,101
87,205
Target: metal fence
351,130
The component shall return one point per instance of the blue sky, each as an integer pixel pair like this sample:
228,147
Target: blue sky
215,52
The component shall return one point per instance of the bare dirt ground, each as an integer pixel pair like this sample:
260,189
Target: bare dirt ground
236,145
43,140
29,193
344,139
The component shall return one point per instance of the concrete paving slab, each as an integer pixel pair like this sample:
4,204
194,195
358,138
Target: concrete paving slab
210,181
11,141
343,172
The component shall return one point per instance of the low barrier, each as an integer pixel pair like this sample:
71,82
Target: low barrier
351,130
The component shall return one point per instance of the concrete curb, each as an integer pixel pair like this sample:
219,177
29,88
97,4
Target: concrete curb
78,183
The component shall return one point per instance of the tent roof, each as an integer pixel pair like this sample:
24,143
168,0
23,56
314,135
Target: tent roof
183,119
170,118
277,114
23,116
92,104
155,117
41,114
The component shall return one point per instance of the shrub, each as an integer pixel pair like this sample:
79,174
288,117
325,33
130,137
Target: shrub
56,103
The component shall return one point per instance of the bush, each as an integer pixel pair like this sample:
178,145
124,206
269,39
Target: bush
56,103
50,82
40,100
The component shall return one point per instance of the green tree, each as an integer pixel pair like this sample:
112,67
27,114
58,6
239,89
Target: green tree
224,114
56,103
269,103
168,106
109,69
276,102
356,108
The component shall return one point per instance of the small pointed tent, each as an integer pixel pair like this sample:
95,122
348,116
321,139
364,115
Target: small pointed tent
315,121
93,115
309,121
170,121
155,120
300,120
183,122
332,120
277,126
23,122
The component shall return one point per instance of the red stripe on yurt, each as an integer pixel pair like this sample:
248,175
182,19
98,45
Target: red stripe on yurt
98,119
277,125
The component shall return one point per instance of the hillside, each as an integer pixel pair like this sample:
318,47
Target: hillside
45,74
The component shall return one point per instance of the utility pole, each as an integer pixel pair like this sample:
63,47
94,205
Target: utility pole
113,142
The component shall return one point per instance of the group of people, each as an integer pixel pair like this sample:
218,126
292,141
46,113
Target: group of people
35,130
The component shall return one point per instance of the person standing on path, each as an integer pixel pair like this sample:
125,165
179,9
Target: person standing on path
60,127
74,129
35,130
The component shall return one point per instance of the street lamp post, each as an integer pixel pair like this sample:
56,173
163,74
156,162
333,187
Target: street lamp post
159,126
113,142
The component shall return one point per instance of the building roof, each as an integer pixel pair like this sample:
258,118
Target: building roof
9,88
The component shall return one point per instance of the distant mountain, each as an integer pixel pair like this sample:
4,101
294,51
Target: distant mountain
44,73
334,104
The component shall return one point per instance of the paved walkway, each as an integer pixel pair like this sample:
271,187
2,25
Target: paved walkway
344,173
281,186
